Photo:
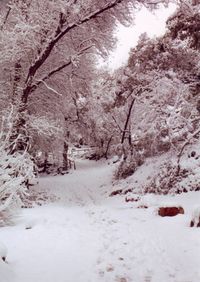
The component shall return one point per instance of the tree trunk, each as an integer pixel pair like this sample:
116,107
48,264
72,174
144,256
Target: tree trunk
107,147
65,156
127,121
16,83
19,138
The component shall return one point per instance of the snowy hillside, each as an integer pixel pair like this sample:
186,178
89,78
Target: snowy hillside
153,175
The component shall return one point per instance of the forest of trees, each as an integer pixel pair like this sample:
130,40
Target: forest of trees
53,95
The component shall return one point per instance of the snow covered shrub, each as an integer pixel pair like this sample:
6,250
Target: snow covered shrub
16,172
16,168
171,179
125,169
167,180
129,164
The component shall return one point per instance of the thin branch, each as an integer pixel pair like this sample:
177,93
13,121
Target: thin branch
50,88
120,129
6,17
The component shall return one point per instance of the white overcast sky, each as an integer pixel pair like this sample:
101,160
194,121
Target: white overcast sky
145,21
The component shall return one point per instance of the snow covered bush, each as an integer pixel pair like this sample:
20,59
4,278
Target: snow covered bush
16,172
176,175
16,168
169,180
128,166
165,180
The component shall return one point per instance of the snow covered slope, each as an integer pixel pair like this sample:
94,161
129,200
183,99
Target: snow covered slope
86,236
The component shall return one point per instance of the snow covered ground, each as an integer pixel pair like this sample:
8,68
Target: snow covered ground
86,236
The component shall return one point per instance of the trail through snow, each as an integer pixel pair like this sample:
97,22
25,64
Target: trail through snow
84,236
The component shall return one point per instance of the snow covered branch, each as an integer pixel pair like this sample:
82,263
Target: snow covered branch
59,68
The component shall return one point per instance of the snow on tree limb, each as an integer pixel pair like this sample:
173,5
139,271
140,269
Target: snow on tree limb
59,68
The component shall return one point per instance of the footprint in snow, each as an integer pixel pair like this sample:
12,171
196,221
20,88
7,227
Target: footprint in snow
147,279
121,279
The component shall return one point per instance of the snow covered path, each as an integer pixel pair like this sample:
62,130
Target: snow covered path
87,237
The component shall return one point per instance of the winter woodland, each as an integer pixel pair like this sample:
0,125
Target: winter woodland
99,169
